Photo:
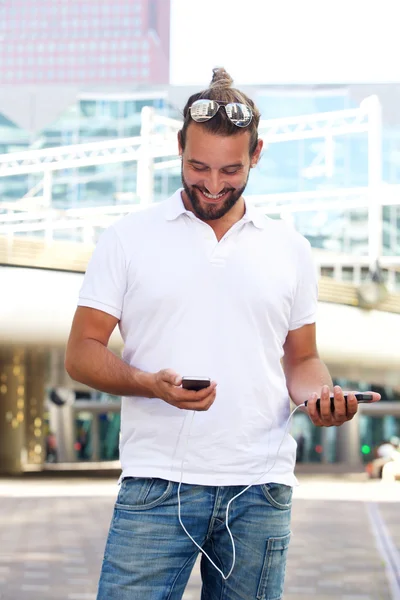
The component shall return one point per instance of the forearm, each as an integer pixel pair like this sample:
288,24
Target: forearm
93,364
305,378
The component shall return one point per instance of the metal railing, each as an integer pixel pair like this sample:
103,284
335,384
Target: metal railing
36,253
73,256
157,140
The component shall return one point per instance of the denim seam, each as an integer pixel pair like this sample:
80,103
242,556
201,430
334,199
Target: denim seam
272,501
145,491
269,555
179,573
262,588
221,566
153,504
217,506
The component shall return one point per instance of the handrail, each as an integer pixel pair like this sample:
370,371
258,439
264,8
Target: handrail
73,256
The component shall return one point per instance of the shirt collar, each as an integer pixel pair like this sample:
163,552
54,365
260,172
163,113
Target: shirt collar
254,215
174,208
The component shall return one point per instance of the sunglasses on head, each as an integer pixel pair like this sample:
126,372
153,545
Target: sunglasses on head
203,110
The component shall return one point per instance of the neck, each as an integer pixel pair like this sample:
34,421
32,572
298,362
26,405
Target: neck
220,226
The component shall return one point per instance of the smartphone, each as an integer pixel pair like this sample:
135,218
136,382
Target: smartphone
360,399
195,383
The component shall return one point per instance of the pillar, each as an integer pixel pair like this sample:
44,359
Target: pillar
12,410
348,443
35,375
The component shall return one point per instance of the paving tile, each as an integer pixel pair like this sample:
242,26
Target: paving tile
51,546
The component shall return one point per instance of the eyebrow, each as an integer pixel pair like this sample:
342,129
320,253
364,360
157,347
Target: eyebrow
193,161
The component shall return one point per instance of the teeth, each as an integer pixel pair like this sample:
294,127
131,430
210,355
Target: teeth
212,197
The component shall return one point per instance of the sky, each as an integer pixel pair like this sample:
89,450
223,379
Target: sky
285,41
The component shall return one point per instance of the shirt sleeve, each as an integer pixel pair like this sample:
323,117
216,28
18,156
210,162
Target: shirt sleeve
305,303
104,283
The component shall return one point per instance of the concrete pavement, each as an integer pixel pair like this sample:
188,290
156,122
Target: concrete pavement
345,543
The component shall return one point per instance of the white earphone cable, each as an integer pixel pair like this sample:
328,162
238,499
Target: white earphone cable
231,500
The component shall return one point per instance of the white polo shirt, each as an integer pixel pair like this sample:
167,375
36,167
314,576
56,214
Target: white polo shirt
215,309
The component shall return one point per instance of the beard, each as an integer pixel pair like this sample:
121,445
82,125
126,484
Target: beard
209,211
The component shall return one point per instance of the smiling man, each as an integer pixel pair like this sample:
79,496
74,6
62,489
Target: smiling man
203,285
215,180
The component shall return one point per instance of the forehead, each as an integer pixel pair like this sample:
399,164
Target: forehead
209,147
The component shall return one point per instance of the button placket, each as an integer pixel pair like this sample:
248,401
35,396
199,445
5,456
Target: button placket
217,252
222,250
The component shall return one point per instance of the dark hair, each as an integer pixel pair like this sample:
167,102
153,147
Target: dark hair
221,89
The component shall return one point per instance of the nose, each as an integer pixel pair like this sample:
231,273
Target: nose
213,182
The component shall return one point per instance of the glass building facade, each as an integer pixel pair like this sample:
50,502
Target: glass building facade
12,139
292,166
86,41
93,118
287,167
100,118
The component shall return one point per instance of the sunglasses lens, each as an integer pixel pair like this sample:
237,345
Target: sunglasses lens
203,110
239,114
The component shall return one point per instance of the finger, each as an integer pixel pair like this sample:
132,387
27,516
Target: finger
201,405
340,409
326,407
313,411
183,395
375,396
170,376
352,405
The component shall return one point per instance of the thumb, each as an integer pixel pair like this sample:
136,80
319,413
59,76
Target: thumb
172,377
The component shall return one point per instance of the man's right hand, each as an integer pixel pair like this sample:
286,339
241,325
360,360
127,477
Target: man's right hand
167,386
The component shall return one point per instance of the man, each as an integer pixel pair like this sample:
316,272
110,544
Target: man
203,285
385,453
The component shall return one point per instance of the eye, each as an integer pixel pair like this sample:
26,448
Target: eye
231,171
199,167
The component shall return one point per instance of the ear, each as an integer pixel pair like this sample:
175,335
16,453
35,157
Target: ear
257,152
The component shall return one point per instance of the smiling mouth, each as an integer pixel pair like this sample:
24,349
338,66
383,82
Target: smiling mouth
213,197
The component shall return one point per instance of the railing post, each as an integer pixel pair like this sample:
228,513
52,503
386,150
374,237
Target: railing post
145,169
88,234
47,201
47,188
374,179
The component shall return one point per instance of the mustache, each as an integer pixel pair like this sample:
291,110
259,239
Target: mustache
204,189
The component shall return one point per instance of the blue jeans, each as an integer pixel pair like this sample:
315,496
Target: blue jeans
148,556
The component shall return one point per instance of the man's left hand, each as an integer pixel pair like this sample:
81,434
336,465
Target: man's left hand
342,411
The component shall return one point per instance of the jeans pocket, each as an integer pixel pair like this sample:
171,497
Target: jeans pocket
143,493
272,578
278,495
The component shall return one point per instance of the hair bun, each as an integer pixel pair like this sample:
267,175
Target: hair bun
220,79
